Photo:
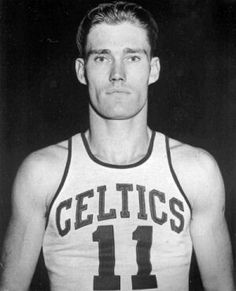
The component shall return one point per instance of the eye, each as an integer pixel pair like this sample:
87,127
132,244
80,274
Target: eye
101,59
133,59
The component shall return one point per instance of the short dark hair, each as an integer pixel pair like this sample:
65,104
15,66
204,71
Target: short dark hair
115,13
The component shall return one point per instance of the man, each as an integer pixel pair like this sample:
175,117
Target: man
120,206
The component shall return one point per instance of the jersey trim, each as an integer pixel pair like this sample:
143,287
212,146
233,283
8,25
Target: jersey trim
174,174
96,160
63,179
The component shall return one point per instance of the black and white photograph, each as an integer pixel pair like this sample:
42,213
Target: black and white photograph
117,145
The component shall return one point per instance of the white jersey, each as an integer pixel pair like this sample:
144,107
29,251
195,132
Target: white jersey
116,227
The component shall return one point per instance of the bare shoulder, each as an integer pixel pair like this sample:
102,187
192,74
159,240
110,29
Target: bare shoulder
191,156
48,158
40,173
197,171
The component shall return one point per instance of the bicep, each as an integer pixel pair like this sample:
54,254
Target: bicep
25,232
209,231
20,252
213,251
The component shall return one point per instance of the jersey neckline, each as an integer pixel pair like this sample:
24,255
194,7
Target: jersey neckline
141,161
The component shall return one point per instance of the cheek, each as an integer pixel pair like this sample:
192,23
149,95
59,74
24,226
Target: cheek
96,87
96,80
140,83
94,77
96,72
140,75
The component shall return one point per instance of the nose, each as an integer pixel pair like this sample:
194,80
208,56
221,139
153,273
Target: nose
117,72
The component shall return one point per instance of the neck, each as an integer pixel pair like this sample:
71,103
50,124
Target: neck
119,141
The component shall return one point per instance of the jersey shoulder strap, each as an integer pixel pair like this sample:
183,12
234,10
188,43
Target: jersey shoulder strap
173,173
63,179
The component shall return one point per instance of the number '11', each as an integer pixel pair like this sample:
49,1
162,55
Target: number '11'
107,280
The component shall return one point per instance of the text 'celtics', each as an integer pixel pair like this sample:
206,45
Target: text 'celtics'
156,198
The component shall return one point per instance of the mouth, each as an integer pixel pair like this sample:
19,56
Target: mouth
117,91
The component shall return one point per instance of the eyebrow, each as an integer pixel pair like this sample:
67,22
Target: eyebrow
135,51
98,52
107,51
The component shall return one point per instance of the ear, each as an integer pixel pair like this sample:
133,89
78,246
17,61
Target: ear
80,70
155,70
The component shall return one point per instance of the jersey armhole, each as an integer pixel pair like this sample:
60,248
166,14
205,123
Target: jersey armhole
63,179
173,173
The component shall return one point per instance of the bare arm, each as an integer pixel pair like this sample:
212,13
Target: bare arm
26,228
208,227
202,182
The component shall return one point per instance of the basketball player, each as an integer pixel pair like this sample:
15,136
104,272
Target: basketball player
118,207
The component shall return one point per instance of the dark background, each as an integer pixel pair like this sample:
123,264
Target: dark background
43,103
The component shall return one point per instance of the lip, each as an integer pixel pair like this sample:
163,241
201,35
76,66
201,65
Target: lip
117,91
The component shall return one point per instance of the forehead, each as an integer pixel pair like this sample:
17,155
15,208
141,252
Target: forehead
117,36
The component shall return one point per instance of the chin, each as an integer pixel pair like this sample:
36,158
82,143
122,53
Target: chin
120,115
117,112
